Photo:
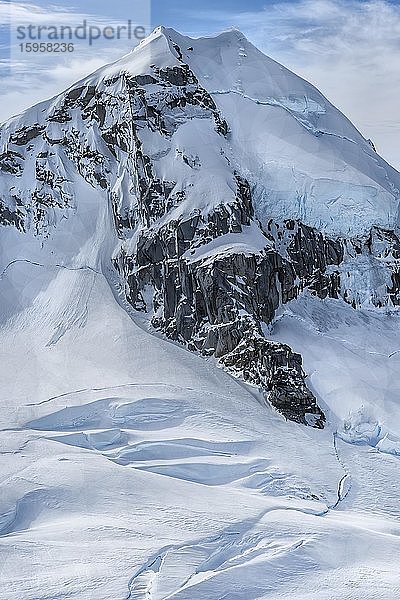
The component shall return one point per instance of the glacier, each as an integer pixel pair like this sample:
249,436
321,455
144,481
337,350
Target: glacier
199,357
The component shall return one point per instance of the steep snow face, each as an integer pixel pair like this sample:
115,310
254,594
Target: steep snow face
304,158
353,359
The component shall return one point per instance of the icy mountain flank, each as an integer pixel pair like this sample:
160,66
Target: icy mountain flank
228,187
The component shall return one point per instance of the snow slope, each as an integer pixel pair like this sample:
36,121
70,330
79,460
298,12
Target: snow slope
306,160
131,468
353,360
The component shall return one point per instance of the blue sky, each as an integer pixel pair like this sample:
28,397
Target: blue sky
349,49
199,17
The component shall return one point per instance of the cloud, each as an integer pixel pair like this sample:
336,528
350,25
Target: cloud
20,12
28,78
15,99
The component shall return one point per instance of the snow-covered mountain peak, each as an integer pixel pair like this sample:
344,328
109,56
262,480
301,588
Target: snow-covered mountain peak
196,191
166,47
222,186
303,158
223,38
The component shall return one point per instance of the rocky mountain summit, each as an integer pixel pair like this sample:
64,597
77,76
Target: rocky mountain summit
227,196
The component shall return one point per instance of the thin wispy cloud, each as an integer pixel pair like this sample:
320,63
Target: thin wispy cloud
30,78
21,12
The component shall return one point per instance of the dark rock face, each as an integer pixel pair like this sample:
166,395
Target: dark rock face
24,135
217,299
13,216
310,254
216,306
384,246
11,162
276,368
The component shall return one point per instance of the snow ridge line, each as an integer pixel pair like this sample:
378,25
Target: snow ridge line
54,266
102,389
273,102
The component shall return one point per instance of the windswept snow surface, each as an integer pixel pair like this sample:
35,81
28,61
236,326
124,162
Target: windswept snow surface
133,469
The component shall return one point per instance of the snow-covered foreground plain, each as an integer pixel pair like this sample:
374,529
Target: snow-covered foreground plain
131,468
